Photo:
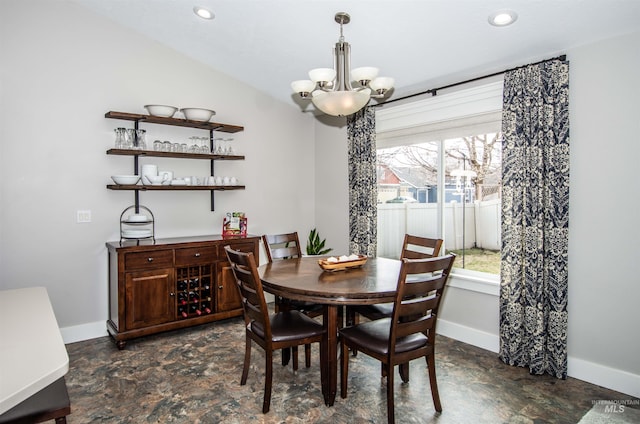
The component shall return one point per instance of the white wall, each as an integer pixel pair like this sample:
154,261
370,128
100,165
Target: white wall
62,69
604,257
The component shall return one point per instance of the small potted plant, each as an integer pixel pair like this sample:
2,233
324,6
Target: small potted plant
315,246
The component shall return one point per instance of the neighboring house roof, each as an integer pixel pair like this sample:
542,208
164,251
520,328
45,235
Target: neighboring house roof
413,176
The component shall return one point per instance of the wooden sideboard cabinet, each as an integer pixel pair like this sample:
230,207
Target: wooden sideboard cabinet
171,283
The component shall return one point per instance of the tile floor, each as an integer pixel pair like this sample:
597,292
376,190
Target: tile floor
193,376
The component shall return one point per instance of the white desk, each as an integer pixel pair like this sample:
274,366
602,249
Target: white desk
32,353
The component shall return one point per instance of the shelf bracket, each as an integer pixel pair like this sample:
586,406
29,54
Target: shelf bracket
213,195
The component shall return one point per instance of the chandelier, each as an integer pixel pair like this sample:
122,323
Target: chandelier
331,91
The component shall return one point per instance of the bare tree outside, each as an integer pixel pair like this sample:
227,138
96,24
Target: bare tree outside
472,175
478,153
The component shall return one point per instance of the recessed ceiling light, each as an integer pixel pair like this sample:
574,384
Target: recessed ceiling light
503,18
203,13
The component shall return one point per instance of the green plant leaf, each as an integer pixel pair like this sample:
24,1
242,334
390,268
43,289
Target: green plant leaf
315,246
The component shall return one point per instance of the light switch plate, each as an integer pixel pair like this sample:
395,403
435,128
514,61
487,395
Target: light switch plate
83,216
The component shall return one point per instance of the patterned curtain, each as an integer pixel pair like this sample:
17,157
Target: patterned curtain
363,189
535,218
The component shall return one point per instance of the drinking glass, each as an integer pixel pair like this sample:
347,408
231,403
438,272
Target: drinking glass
217,146
141,139
229,146
204,147
129,138
157,146
193,144
120,138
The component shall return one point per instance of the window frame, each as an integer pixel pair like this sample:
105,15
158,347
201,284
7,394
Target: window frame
462,112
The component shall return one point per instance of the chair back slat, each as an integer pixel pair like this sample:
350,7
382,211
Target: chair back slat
420,324
420,286
285,252
249,285
415,247
279,246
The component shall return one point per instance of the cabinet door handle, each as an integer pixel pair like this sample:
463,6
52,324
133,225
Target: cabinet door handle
197,255
149,259
219,287
172,294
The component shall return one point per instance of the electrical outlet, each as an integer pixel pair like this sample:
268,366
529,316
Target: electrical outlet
83,216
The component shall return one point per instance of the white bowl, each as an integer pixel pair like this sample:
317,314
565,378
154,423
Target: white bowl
155,179
196,114
161,110
125,179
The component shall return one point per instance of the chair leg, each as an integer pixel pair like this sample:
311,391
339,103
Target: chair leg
247,361
307,355
286,355
391,419
352,319
431,365
383,370
404,372
344,369
268,377
294,354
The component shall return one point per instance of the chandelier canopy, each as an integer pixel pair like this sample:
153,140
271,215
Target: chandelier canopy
331,91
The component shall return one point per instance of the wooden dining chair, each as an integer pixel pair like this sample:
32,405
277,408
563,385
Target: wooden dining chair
413,247
286,246
272,332
410,331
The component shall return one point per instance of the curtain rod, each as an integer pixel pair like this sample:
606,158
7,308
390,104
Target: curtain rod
434,91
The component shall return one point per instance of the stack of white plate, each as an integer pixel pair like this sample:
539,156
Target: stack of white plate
137,233
138,218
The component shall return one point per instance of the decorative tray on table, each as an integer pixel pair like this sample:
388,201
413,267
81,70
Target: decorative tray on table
342,262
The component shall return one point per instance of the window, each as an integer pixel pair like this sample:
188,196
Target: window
439,163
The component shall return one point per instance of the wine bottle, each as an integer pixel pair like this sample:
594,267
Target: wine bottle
182,298
204,306
182,312
193,297
195,310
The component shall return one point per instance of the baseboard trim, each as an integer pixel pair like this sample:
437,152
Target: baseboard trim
78,333
601,375
469,335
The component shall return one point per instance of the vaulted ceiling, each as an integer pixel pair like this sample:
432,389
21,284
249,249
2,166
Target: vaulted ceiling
422,44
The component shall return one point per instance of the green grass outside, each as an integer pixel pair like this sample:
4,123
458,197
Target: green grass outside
478,260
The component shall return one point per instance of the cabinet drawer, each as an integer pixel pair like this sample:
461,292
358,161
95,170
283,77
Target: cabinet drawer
148,260
196,255
243,247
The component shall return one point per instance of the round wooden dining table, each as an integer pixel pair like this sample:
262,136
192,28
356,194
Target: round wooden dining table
303,279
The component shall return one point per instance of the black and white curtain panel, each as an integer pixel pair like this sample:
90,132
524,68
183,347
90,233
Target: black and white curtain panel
363,190
535,218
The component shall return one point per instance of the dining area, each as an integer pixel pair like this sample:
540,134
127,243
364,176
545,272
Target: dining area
409,289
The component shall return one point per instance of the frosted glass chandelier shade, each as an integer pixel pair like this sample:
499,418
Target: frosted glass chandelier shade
330,89
303,86
322,75
381,84
340,103
366,73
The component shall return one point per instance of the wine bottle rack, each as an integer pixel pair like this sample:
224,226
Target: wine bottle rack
194,291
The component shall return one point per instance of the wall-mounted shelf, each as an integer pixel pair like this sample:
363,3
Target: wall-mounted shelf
137,118
155,153
176,122
170,187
